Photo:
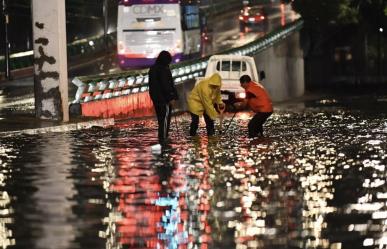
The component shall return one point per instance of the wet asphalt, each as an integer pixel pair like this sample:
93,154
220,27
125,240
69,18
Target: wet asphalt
315,180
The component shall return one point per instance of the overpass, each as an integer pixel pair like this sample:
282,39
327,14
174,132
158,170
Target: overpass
125,94
119,94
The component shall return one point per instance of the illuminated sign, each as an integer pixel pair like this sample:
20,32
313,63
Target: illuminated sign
147,9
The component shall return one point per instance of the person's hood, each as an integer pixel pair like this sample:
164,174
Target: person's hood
215,80
164,58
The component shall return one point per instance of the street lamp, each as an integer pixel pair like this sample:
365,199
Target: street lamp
7,44
380,36
106,24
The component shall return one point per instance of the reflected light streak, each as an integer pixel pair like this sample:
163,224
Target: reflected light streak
283,14
152,210
59,187
6,234
6,239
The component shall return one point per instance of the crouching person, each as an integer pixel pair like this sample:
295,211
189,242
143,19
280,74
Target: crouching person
202,100
258,100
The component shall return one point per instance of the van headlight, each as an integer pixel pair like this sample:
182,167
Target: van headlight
241,95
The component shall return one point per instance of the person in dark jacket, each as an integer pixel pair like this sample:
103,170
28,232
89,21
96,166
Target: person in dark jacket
163,93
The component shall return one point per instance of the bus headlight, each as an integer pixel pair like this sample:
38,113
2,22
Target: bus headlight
121,48
178,46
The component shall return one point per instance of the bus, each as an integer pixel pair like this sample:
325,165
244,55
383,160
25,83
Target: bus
146,27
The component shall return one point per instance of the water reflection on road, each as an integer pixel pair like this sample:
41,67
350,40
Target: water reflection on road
316,180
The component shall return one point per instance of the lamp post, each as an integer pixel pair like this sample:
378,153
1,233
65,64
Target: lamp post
380,35
106,24
7,44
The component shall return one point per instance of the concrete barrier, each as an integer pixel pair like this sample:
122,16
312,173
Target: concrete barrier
283,64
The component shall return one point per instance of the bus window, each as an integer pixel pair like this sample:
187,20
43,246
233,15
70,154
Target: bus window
190,17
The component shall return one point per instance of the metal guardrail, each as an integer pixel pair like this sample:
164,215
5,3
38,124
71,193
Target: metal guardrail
97,87
81,47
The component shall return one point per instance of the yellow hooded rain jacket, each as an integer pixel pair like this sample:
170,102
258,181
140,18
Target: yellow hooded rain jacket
203,97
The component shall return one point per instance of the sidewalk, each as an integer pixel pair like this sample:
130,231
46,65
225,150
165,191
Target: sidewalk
17,114
31,125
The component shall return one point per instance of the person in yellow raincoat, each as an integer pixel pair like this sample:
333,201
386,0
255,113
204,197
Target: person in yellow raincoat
202,101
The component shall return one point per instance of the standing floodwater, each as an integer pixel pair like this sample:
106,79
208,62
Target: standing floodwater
317,180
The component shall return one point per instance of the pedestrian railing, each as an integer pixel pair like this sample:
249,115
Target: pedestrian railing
99,87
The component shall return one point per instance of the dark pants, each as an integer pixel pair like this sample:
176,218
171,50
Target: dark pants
163,113
210,126
256,123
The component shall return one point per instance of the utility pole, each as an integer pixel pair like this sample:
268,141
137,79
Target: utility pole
106,24
50,59
7,44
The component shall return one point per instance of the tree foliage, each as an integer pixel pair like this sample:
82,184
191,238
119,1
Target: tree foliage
323,12
338,12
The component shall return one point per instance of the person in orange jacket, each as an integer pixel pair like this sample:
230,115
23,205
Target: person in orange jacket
258,100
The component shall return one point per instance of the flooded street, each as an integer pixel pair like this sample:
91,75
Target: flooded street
316,180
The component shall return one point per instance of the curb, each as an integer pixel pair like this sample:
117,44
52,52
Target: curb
63,128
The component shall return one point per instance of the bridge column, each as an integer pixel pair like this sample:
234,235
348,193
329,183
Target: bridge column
50,54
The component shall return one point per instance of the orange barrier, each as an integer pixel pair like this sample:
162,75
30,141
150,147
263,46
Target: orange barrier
133,105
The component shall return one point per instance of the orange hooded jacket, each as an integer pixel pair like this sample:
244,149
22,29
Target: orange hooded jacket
257,98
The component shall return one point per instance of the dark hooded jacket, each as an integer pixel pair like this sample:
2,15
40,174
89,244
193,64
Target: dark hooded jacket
161,87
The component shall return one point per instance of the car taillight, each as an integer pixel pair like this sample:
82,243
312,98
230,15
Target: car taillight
262,17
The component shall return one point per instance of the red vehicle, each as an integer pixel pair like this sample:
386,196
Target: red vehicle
251,16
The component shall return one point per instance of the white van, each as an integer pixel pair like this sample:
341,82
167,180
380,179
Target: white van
231,68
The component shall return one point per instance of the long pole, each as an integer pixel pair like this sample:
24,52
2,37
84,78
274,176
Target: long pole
379,54
7,44
232,119
106,24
